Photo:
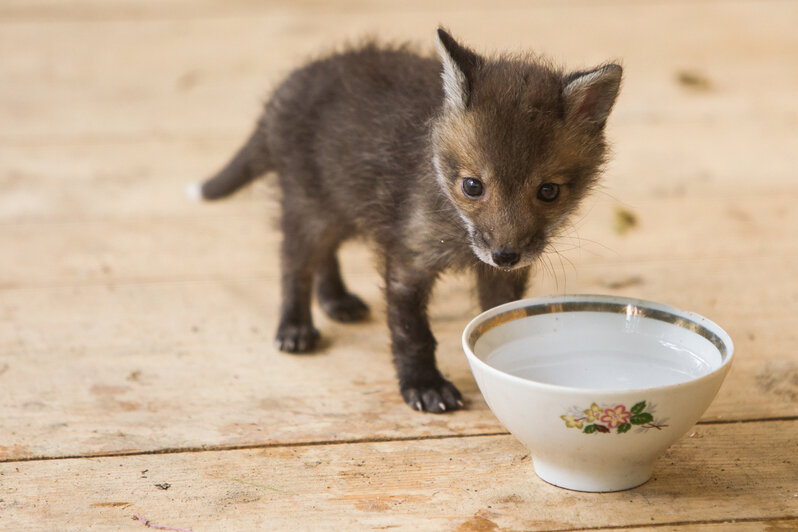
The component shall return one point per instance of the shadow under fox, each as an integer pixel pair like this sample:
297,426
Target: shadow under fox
460,161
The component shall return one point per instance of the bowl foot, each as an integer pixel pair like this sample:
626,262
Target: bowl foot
601,479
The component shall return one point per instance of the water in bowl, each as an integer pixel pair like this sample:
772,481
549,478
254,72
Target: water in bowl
601,367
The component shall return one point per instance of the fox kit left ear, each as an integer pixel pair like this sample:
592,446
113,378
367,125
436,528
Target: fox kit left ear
459,64
590,95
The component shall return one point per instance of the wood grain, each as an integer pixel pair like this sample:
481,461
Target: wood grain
238,237
152,365
135,322
722,473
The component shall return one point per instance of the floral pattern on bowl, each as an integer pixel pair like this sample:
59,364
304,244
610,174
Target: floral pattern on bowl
605,419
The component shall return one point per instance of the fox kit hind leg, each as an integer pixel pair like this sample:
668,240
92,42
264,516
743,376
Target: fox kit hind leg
308,254
334,298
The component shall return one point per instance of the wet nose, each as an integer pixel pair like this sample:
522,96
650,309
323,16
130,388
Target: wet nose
506,257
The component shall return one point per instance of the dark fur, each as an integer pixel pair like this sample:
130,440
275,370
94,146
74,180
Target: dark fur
354,139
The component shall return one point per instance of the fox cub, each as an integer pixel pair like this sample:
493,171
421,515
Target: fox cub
456,161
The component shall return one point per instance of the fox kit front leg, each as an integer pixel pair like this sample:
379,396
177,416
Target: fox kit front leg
422,386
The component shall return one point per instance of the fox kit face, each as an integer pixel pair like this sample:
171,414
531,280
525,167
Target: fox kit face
516,148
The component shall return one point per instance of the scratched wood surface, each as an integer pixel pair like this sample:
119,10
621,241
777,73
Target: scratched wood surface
136,327
741,473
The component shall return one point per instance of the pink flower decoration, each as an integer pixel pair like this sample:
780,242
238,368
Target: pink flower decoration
614,417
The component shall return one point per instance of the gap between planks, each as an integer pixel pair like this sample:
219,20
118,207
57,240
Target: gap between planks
763,520
266,445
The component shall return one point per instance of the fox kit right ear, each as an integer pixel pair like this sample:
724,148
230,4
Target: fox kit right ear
459,66
590,95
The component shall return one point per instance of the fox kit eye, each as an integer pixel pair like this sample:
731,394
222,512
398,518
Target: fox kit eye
472,187
548,192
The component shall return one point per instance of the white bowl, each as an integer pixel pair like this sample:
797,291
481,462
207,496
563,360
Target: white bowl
596,387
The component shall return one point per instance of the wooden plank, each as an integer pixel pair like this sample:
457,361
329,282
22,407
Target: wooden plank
138,366
120,247
744,525
210,75
182,364
144,180
45,10
204,251
131,320
147,179
139,250
722,473
39,320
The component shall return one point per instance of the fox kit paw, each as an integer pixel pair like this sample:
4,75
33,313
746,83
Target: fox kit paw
345,309
296,337
435,398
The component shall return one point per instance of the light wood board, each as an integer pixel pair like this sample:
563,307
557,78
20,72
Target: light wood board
136,326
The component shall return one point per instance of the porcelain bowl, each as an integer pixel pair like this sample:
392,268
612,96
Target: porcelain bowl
596,387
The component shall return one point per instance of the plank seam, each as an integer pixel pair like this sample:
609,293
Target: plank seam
242,447
751,420
682,523
264,445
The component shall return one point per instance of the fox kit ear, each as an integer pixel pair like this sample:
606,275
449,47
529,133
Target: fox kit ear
590,95
459,65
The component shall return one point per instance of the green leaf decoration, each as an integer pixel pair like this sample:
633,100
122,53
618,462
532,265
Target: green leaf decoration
602,428
638,408
641,419
590,429
624,428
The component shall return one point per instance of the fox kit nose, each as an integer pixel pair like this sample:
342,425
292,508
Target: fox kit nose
506,257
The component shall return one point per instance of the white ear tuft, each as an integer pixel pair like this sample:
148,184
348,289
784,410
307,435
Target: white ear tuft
455,84
460,67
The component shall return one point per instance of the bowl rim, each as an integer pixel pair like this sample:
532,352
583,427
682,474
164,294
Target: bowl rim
507,312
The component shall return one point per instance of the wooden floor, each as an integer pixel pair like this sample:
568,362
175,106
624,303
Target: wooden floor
138,383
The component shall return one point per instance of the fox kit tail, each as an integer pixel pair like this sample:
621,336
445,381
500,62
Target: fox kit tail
250,162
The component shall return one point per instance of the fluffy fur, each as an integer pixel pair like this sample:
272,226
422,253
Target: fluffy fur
388,144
